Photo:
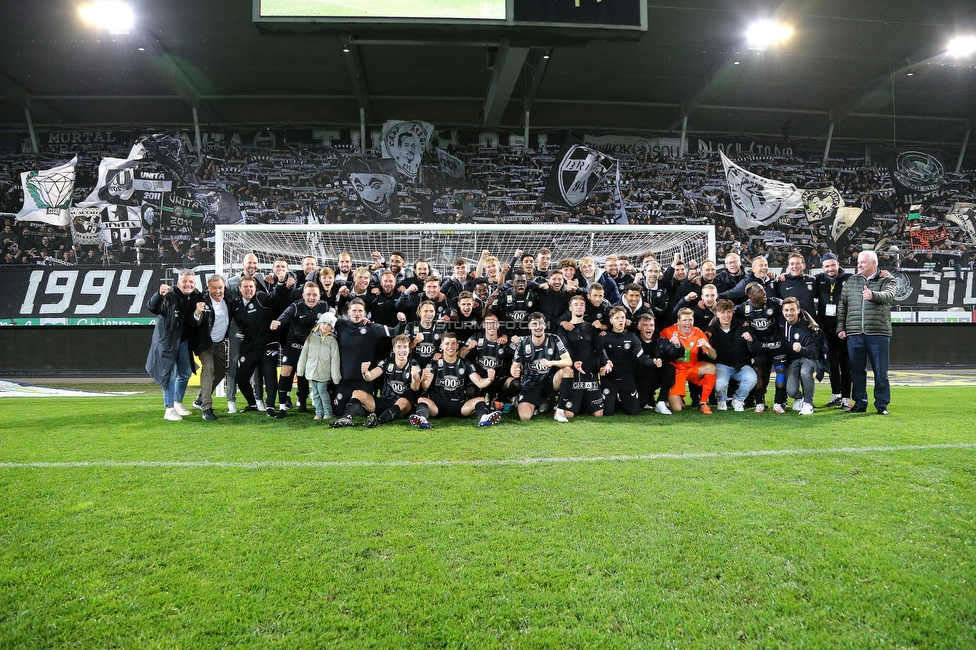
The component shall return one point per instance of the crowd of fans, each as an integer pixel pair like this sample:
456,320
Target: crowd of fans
306,184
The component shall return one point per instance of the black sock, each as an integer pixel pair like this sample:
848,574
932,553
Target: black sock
423,411
390,414
352,408
481,408
564,390
284,388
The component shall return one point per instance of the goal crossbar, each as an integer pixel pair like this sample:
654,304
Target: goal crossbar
441,244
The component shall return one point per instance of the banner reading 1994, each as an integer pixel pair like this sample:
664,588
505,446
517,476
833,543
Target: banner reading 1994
44,295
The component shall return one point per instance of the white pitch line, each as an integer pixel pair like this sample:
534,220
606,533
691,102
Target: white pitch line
174,464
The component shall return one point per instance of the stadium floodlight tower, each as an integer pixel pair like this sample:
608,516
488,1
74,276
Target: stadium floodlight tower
442,244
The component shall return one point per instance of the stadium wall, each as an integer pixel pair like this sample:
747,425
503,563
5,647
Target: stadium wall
106,350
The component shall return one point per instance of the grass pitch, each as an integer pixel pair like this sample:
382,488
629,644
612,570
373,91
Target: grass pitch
737,530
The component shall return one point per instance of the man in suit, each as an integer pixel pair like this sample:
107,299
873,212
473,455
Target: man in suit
209,343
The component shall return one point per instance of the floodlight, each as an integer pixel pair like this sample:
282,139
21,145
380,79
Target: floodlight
764,33
961,46
116,17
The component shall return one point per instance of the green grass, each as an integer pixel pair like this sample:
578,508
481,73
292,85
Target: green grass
636,532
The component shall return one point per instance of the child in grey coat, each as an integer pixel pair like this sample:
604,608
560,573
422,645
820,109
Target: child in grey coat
319,363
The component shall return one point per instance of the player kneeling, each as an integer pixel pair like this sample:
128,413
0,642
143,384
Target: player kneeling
401,385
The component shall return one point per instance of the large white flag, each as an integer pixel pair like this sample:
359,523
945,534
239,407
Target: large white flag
116,184
47,194
405,142
757,201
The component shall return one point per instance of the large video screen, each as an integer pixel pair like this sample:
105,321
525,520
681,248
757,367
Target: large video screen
385,9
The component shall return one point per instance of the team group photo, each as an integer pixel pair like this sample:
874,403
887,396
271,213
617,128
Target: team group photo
487,324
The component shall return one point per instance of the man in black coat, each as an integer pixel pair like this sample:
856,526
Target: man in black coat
169,361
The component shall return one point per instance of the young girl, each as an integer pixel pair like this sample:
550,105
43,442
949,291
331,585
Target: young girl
319,363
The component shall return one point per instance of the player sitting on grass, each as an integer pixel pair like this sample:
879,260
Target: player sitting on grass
445,380
401,386
489,351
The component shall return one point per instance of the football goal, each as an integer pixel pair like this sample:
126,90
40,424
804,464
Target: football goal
441,245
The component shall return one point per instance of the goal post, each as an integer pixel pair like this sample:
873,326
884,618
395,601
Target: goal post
442,244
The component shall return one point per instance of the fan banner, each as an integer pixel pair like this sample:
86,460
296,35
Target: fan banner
576,172
450,165
404,141
47,194
918,176
922,238
121,223
758,201
377,192
86,226
79,295
113,295
181,215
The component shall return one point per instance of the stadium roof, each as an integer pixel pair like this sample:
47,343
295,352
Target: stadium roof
848,63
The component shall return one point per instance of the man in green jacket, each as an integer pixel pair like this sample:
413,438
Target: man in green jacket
864,320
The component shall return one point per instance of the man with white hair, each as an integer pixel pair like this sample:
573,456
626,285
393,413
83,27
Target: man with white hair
209,343
864,321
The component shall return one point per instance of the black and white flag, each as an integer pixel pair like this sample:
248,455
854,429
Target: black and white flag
116,184
821,205
450,165
360,165
919,177
180,215
405,141
758,201
577,171
830,220
218,206
964,216
86,226
620,210
121,223
848,224
377,193
168,150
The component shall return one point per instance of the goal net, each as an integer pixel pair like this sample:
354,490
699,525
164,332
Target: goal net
440,246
